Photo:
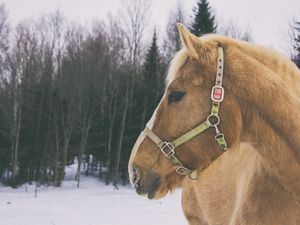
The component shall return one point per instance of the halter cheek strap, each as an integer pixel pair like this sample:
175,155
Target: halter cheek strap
213,120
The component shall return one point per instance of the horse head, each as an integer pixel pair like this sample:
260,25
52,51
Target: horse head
182,134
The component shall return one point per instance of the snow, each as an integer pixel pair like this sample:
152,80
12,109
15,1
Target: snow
92,204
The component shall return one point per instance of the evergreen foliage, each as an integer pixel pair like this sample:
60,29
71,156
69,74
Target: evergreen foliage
152,69
153,79
204,20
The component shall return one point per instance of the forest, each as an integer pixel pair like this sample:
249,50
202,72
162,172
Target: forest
75,93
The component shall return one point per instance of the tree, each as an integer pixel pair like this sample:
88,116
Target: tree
204,20
22,61
69,92
151,69
296,56
4,103
153,80
172,43
135,18
4,35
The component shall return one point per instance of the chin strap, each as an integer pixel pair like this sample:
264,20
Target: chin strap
213,120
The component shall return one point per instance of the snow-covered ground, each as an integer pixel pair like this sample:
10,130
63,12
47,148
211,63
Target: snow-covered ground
92,204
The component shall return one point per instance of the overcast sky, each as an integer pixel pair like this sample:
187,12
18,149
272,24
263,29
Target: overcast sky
268,19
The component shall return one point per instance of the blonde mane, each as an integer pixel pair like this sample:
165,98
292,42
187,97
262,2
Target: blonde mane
179,59
274,60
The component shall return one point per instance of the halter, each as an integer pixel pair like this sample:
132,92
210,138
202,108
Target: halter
213,120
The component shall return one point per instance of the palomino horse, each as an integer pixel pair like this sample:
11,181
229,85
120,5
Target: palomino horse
193,138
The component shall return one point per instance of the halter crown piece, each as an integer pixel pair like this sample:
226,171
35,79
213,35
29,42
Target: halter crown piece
213,120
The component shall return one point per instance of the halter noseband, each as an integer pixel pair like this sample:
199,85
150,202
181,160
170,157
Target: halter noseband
213,120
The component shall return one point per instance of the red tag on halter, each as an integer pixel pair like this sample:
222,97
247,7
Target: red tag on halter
217,94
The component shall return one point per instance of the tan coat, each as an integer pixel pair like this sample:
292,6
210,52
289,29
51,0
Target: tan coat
253,183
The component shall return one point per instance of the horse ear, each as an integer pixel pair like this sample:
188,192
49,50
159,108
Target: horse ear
189,40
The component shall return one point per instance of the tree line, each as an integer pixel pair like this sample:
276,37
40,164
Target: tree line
71,93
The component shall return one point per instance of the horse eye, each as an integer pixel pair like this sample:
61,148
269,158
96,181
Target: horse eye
175,96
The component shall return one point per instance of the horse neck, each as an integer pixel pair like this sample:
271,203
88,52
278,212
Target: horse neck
270,117
284,69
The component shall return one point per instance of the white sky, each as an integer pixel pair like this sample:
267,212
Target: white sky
268,19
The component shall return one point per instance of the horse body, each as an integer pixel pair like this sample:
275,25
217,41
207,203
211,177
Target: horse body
244,186
238,190
255,182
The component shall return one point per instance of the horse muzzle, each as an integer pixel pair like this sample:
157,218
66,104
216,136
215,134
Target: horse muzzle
146,187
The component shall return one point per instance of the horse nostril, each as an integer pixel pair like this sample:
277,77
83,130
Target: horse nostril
135,176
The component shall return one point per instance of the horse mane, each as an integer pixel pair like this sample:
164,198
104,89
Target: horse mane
179,59
277,62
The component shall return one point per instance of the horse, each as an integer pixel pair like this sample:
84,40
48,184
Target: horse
227,130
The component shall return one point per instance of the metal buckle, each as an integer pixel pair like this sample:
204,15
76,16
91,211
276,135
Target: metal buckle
217,94
181,170
167,145
219,136
211,119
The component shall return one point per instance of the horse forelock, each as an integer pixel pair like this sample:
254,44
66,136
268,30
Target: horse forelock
209,42
178,60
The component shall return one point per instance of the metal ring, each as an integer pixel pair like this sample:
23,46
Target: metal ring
181,170
211,122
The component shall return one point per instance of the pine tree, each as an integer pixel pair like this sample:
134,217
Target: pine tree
153,80
151,68
297,44
204,21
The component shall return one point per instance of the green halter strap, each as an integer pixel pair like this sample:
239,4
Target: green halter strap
213,120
